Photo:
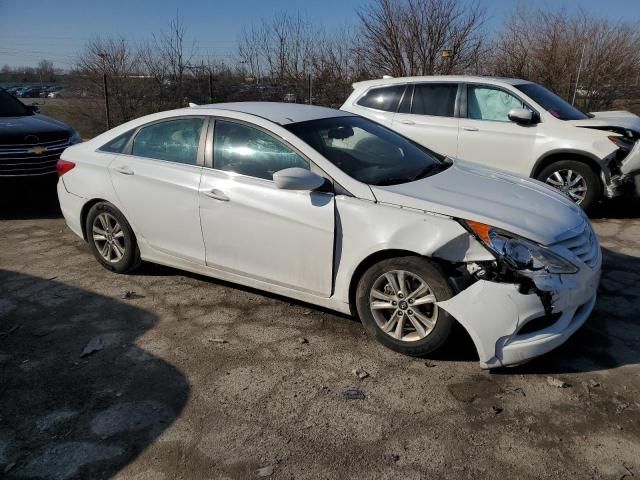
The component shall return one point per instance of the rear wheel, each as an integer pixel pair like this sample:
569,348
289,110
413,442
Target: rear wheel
575,179
111,239
396,301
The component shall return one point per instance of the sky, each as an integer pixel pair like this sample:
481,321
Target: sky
41,29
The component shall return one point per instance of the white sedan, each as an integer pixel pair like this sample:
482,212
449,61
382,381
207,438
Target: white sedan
330,208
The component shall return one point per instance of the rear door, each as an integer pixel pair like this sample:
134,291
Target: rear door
254,229
487,136
157,184
427,115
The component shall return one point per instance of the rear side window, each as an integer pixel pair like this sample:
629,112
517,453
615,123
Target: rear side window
434,99
382,98
117,144
173,140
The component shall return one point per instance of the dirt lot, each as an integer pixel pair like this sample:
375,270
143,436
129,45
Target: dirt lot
161,397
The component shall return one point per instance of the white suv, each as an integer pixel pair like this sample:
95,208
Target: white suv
512,125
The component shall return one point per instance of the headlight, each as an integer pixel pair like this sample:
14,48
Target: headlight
519,253
75,138
621,142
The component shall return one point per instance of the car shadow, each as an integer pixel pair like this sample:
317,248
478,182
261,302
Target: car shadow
611,336
29,198
617,208
78,397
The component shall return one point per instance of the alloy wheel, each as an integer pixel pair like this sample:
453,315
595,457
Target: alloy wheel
570,183
403,305
108,237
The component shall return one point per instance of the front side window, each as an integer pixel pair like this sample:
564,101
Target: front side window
382,98
118,144
486,103
173,140
438,100
367,151
249,151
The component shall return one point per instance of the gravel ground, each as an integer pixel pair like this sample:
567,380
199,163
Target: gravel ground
188,377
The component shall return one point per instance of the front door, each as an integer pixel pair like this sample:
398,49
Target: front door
254,229
488,137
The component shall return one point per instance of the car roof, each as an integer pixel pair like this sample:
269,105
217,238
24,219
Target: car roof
278,112
440,78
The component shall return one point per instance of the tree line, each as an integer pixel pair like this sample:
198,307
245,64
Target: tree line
291,56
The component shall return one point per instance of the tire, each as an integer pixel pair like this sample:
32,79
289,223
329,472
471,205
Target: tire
558,172
108,231
410,341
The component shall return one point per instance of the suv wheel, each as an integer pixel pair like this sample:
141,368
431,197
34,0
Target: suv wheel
575,179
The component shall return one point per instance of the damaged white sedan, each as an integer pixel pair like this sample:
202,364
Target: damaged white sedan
333,209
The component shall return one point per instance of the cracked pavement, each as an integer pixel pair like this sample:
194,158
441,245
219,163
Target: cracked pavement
197,378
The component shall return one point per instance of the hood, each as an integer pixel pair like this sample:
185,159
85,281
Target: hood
13,130
619,118
466,190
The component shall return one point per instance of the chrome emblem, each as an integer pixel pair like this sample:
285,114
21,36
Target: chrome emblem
38,150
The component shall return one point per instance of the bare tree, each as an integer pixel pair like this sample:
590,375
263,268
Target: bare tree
548,47
170,48
409,37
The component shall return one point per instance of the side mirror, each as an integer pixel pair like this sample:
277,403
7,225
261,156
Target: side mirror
521,116
297,178
33,108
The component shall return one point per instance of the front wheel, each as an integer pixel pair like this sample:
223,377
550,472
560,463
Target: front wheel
396,301
575,179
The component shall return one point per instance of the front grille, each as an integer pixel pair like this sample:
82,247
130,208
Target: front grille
36,159
583,244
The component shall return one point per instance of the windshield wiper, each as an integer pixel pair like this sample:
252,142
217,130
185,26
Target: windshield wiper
431,170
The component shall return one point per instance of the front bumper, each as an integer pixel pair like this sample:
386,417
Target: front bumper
626,180
495,313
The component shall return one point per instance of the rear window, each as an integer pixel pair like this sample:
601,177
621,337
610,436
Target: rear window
434,99
382,98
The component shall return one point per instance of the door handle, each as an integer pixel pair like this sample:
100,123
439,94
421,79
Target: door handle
470,129
124,170
408,122
216,194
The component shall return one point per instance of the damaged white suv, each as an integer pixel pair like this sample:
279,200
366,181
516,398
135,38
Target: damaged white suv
511,124
333,209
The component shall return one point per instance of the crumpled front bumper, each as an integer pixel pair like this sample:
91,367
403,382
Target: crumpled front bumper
494,313
627,180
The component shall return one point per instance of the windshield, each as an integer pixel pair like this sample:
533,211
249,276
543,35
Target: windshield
10,107
552,103
368,151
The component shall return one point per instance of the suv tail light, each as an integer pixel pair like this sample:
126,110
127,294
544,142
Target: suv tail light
63,166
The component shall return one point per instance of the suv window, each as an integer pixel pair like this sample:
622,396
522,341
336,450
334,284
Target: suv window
246,150
117,144
435,99
173,140
488,103
382,98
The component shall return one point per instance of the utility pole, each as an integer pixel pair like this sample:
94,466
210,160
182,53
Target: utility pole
575,90
106,100
210,86
103,56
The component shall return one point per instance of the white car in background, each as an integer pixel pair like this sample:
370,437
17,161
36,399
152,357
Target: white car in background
330,208
510,124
